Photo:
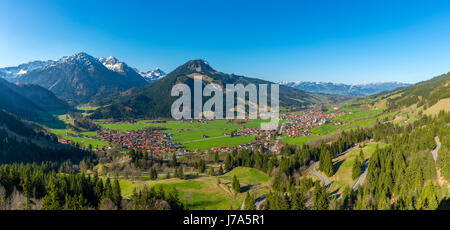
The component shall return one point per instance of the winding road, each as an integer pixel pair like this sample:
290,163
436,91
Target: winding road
325,181
322,177
436,150
258,202
363,175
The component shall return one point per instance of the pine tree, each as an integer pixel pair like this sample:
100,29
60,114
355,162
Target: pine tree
153,174
357,168
297,201
249,202
117,195
173,162
216,157
108,191
51,201
321,201
326,163
236,185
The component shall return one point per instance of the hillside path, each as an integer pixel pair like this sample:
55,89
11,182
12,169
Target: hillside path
325,181
436,150
362,177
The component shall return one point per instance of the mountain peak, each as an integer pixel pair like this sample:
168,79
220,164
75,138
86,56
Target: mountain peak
113,64
81,57
195,66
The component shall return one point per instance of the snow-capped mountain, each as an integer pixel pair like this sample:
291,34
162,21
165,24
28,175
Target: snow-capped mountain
112,63
153,75
81,78
15,71
120,67
359,89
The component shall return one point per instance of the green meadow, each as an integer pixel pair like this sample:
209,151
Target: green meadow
204,192
191,134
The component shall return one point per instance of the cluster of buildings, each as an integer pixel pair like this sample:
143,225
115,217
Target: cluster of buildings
151,140
297,125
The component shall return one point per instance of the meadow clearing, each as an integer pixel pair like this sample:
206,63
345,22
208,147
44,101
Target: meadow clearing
204,192
361,118
343,166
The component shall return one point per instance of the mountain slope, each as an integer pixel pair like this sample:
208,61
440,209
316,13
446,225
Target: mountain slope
27,101
344,89
423,94
153,75
81,78
22,141
154,101
16,71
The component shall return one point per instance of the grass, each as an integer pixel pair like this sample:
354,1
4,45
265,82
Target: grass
190,134
343,175
203,193
225,141
361,118
299,140
84,141
443,104
358,115
198,194
125,127
247,175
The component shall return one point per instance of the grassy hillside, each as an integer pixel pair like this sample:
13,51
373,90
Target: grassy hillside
204,192
423,94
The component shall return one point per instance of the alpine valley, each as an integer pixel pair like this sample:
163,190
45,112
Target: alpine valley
83,133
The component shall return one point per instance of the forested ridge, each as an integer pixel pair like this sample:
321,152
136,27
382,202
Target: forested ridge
48,187
401,175
18,143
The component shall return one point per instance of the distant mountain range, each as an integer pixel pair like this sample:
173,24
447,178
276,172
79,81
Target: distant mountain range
364,89
16,71
153,75
121,67
81,78
154,100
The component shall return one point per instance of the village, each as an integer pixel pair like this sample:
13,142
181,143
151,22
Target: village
159,141
297,125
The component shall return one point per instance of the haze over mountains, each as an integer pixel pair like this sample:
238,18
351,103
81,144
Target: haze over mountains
358,90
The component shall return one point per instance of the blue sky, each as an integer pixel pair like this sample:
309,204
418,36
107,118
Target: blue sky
338,41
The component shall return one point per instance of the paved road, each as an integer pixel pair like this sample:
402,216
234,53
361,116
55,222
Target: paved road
275,144
348,150
362,177
243,205
259,201
322,177
435,151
